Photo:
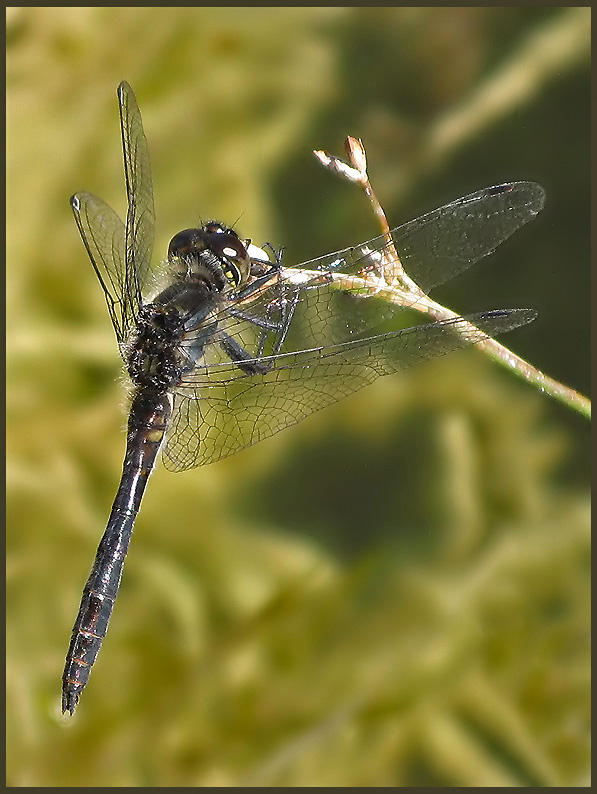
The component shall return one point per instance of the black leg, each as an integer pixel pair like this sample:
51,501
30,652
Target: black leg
243,359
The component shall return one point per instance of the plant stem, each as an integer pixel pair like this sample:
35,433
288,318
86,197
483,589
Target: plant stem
399,288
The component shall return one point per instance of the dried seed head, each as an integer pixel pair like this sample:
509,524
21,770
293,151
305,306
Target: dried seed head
356,154
338,166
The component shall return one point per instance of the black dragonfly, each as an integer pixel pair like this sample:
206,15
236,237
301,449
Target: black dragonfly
225,348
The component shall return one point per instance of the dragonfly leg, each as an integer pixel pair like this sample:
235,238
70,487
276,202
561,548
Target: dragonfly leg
241,357
288,315
281,306
286,308
260,322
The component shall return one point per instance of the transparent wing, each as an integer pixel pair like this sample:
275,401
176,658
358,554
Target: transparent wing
446,241
315,337
433,249
224,407
102,233
314,310
140,216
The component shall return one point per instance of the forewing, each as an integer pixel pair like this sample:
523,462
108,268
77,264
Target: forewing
446,241
140,217
327,302
221,409
103,235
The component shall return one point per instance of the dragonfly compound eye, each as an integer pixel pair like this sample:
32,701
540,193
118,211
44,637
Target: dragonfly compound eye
228,254
184,244
232,254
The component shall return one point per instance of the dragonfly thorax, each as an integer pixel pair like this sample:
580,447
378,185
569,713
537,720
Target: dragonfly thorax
213,253
152,361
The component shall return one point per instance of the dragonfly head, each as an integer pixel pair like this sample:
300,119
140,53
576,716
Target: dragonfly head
215,251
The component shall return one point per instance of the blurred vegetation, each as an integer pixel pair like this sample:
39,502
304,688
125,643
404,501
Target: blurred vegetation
394,592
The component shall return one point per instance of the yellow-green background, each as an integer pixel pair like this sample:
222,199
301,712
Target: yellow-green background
394,592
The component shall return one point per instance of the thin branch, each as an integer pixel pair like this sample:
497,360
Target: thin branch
400,289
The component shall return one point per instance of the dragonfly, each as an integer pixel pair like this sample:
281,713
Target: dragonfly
225,347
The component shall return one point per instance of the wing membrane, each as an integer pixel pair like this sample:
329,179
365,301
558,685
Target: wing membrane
103,233
140,217
223,409
438,246
433,249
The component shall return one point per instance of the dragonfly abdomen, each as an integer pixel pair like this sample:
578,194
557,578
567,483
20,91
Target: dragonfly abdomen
148,421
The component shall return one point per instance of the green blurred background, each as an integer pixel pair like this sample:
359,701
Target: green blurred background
394,592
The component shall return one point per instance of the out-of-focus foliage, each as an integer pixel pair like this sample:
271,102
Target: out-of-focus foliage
394,592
